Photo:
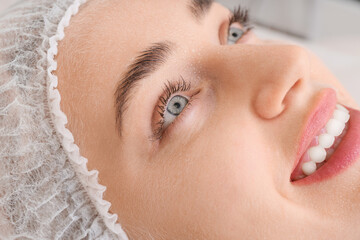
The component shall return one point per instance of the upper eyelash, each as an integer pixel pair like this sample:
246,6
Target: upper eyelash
240,15
170,88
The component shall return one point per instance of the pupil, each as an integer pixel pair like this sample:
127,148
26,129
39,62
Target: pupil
177,105
234,34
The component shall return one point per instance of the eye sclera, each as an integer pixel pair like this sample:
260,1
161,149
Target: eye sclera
180,87
168,117
162,131
240,17
225,31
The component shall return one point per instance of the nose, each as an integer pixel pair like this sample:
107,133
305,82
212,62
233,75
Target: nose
267,75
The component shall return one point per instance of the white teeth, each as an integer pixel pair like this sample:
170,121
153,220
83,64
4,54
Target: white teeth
341,116
317,154
309,167
334,127
326,140
338,106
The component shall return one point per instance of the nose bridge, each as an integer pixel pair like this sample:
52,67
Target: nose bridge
265,73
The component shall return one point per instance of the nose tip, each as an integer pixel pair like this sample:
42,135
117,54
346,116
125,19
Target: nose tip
285,76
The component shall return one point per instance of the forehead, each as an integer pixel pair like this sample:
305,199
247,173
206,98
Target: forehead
135,24
112,33
108,31
147,20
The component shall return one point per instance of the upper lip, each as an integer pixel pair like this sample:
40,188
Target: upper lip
319,114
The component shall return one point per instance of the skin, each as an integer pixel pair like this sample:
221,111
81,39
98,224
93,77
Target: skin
222,170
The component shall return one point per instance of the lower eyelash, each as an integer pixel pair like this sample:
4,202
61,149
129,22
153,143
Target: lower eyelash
159,133
239,15
170,88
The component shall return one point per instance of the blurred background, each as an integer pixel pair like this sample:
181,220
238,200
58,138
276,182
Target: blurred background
330,28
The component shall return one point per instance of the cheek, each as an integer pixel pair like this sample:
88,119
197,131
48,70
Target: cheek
221,179
223,176
230,180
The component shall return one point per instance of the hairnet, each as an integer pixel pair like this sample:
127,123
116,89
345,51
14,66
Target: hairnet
46,191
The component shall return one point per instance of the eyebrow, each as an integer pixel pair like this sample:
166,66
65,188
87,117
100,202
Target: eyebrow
144,65
199,8
148,62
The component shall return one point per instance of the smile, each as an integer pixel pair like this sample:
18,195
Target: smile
324,144
330,141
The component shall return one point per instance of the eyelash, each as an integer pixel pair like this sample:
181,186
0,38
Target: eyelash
170,88
240,15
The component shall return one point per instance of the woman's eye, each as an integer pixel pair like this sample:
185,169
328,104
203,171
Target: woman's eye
174,107
235,33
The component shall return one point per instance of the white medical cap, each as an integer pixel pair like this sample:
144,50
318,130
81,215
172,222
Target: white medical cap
46,191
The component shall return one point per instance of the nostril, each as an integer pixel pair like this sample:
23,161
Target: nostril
269,103
272,99
283,80
293,90
296,85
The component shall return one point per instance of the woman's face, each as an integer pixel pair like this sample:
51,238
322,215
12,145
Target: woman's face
211,157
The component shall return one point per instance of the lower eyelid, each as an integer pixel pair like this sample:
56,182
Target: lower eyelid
193,100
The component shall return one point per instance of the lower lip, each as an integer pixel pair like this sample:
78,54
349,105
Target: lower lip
344,156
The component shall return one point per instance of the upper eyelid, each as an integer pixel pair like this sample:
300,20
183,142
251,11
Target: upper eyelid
224,28
241,15
238,15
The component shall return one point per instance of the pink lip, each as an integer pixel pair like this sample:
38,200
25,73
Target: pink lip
343,157
349,148
318,116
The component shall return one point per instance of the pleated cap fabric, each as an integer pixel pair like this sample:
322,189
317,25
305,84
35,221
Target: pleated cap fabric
46,190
